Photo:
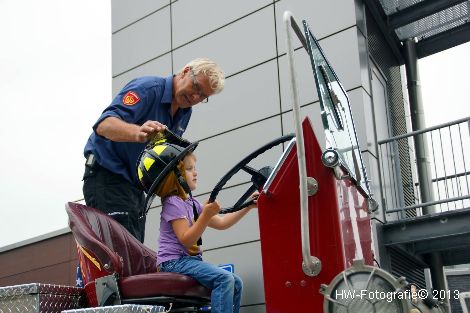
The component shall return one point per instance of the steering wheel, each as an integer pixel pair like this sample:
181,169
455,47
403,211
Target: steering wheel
258,177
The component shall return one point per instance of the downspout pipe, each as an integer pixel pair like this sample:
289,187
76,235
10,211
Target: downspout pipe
422,157
418,123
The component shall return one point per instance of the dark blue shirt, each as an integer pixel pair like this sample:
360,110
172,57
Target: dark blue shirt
142,99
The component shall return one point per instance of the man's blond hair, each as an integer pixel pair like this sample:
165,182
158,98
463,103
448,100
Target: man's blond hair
210,69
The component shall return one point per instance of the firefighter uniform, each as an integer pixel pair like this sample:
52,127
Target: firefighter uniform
110,182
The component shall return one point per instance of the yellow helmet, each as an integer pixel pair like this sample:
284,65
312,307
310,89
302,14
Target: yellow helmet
161,158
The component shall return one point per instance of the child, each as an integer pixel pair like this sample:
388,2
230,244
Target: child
180,232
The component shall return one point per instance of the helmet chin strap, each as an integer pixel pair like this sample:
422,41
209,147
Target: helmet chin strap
186,188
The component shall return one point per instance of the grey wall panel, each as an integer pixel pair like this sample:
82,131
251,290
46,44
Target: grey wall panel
125,12
248,268
158,67
187,24
380,102
305,80
311,111
370,161
363,60
247,97
238,46
363,119
370,128
342,51
152,228
324,17
360,16
253,309
142,41
244,231
156,204
219,154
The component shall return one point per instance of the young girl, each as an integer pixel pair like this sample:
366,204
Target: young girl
180,232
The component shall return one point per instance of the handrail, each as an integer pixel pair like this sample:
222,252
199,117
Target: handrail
448,172
422,131
310,265
429,203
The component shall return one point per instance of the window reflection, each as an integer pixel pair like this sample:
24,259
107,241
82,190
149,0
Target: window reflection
336,114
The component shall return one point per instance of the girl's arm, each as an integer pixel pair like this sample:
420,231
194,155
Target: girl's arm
187,234
228,220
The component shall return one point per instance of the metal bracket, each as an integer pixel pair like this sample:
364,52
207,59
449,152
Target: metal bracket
330,158
315,270
312,186
107,291
372,205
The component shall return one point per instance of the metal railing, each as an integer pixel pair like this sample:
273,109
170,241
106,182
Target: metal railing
448,170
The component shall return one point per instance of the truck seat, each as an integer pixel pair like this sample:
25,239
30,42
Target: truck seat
108,252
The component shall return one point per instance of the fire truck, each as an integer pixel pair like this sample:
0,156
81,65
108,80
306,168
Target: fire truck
319,252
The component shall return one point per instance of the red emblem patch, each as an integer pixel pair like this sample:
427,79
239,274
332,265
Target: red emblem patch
130,98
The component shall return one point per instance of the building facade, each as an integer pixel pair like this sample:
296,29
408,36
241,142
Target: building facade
248,40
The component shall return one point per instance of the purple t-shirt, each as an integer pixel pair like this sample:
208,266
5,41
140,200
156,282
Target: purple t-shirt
169,247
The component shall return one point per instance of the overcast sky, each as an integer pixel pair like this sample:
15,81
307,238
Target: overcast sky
445,85
55,79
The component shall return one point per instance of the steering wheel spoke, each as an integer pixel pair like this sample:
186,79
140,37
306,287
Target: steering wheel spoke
237,208
246,195
249,170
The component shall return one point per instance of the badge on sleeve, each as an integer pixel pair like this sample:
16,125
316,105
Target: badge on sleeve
130,98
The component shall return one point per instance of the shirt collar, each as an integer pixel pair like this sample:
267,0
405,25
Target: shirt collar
168,92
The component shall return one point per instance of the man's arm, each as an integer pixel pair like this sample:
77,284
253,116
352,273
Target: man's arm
115,129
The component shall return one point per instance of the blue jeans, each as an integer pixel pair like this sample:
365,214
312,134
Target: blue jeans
226,287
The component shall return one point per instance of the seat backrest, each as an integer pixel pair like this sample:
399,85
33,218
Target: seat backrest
107,245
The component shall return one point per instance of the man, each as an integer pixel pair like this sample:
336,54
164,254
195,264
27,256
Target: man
143,107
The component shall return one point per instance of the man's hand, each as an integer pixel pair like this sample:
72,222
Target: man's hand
115,129
148,130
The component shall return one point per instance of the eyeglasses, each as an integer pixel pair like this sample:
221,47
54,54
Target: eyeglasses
197,88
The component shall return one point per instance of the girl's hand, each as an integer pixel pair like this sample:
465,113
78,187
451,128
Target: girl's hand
254,196
212,208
